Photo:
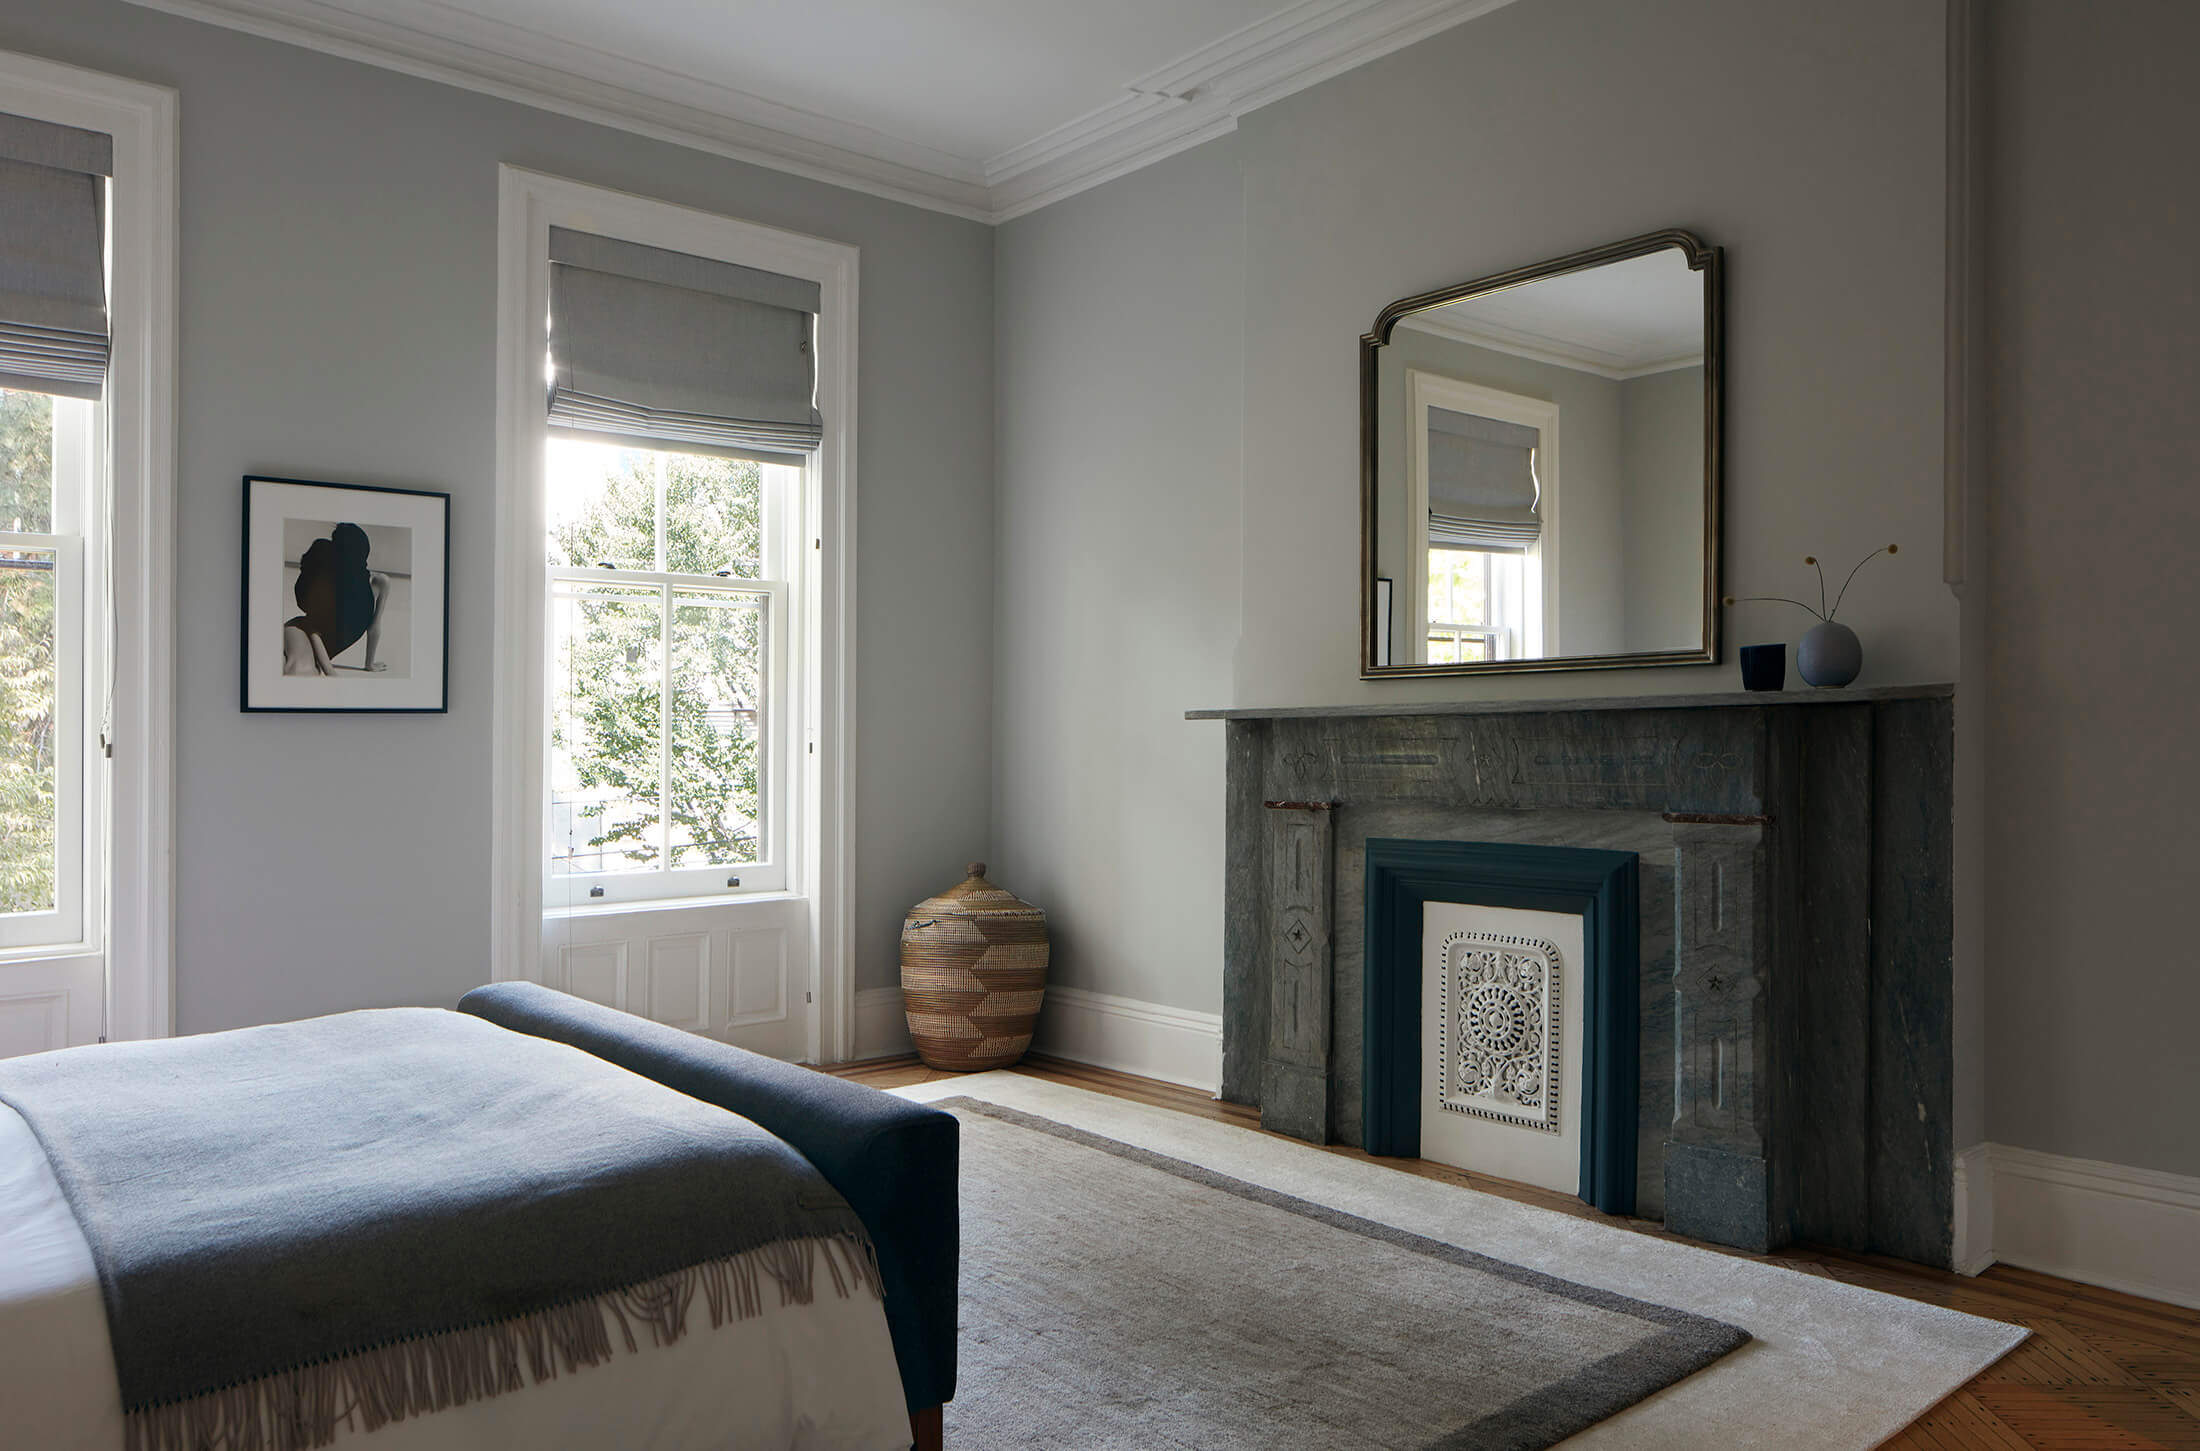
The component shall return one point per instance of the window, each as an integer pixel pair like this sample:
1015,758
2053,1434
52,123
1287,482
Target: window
45,492
681,417
54,345
667,601
87,619
1482,530
671,793
1476,605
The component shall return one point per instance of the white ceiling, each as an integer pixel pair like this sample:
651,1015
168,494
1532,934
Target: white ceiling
985,108
1621,320
968,78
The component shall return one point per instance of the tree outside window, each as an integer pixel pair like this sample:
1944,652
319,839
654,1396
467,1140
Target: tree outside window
657,731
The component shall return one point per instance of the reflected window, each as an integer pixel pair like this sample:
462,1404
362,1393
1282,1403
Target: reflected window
1477,605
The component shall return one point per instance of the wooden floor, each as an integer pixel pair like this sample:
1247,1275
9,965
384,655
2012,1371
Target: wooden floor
2102,1372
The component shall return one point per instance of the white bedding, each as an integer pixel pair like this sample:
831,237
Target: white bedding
817,1377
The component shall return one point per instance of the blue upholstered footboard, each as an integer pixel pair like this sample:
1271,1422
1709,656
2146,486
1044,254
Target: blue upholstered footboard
892,1160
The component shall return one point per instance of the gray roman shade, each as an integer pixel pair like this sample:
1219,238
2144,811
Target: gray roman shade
1482,489
664,350
53,257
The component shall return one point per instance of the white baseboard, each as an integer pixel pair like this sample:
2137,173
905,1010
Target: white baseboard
881,1029
1974,1228
2134,1230
1125,1034
1130,1036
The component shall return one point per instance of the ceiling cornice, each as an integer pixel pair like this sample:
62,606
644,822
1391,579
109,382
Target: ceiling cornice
1193,99
1601,357
1201,95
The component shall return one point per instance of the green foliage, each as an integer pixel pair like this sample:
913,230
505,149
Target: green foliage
26,462
27,625
610,679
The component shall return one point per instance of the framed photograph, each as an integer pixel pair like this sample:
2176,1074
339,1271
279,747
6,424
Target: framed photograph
347,597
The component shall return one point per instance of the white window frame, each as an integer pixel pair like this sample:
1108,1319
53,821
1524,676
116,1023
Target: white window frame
778,722
1539,581
820,836
130,784
71,926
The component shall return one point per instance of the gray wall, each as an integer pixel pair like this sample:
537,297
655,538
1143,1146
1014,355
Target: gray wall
1661,433
1119,321
1803,138
338,291
2093,518
1410,173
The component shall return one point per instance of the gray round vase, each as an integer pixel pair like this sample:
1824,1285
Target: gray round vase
1830,655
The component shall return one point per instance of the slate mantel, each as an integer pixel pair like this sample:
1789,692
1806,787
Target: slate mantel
1797,921
1853,695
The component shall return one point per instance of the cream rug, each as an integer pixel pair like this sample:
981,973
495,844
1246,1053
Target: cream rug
1831,1368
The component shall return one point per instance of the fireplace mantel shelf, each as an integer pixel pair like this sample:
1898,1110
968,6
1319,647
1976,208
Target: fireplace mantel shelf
1854,695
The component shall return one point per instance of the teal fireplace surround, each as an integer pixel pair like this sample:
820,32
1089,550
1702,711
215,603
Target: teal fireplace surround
1598,886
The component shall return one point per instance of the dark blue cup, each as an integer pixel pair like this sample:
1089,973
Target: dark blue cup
1764,667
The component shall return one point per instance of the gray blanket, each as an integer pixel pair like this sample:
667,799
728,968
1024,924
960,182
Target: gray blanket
383,1213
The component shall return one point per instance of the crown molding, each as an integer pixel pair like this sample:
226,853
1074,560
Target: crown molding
437,43
1193,99
1201,95
1576,353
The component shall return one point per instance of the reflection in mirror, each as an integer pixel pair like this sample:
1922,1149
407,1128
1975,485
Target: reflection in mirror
1540,490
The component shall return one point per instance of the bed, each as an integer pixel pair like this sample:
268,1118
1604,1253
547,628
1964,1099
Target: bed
308,1311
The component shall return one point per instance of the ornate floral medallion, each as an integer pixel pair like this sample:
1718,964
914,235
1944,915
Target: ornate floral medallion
1497,1038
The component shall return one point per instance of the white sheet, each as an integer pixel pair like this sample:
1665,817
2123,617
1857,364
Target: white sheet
819,1377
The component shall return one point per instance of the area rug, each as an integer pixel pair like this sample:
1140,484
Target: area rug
1830,1367
1113,1296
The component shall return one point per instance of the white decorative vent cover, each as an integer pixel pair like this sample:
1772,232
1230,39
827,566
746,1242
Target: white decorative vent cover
1498,1031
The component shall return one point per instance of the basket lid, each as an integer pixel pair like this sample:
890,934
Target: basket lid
974,896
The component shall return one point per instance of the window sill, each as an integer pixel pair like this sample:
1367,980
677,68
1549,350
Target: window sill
48,952
664,904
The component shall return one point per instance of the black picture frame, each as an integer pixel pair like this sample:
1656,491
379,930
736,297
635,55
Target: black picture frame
284,665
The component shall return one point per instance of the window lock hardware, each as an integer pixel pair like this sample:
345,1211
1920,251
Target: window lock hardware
595,891
733,881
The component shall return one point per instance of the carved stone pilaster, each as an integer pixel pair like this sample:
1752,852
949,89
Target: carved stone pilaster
1717,1177
1295,1068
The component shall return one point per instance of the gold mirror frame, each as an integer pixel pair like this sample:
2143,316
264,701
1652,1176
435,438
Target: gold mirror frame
1701,258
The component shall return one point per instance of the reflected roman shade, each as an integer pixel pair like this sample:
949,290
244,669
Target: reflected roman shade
1482,489
53,257
664,350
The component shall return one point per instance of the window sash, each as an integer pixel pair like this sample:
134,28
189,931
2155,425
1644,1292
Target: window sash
662,881
62,925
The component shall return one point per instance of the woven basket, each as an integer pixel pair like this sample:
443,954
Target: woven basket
973,971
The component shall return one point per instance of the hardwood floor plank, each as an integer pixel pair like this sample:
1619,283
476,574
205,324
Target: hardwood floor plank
2103,1370
1960,1423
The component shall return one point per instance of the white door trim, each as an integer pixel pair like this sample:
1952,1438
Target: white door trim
141,405
529,204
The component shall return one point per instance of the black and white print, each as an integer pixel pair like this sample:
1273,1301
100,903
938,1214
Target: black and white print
345,589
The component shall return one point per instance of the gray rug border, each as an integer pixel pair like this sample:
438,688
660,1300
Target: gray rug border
1687,1343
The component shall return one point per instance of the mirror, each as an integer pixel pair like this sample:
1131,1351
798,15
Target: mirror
1540,467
